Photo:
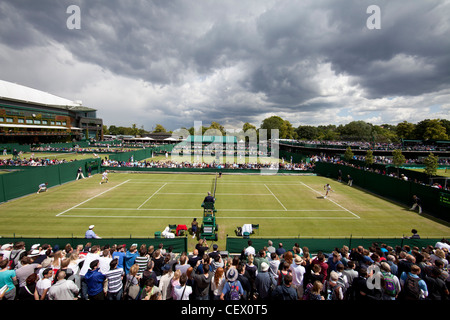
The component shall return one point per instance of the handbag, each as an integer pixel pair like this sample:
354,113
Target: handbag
132,290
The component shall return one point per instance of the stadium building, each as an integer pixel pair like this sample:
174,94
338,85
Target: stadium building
30,116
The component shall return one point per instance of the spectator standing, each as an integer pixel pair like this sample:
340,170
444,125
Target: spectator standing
182,291
202,282
7,278
130,258
264,282
44,284
232,288
115,281
218,283
28,292
120,255
285,291
298,272
63,289
280,250
94,280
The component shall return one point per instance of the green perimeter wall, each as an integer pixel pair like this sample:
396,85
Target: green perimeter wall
389,187
178,244
20,183
236,245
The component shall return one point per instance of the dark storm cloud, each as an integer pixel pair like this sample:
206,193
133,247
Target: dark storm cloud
279,47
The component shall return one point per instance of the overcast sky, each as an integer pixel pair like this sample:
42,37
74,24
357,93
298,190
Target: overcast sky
175,62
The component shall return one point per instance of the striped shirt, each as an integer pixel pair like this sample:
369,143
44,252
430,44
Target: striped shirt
142,263
114,279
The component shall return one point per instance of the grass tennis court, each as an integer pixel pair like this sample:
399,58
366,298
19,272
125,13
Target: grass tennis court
137,205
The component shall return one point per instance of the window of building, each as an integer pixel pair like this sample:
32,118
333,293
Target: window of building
10,120
44,122
58,123
21,120
52,123
29,121
2,119
37,121
64,123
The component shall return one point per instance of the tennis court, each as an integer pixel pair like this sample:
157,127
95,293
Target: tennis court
139,204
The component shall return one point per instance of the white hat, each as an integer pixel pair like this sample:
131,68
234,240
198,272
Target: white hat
34,253
6,246
91,226
35,246
264,266
232,274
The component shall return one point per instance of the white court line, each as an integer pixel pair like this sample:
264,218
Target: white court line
221,194
332,201
275,197
184,209
184,217
152,195
91,198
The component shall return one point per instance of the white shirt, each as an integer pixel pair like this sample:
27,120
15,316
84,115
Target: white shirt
297,273
43,284
87,261
179,290
249,250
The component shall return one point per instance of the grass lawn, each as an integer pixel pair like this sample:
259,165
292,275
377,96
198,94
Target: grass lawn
440,172
137,205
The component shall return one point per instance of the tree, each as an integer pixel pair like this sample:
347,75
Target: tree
272,123
348,155
398,159
307,132
435,131
356,130
431,130
369,160
159,129
287,131
405,130
217,126
431,164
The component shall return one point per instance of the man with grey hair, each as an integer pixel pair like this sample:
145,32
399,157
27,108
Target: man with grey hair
390,284
270,247
391,262
63,289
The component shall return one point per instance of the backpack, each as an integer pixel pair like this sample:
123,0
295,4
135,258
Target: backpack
389,284
411,290
307,294
14,261
233,294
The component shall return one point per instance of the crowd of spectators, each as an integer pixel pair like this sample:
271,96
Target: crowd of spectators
207,165
365,145
385,171
77,149
91,272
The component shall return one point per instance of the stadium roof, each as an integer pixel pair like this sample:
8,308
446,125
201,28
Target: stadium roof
16,92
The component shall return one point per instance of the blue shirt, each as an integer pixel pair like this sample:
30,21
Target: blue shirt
228,285
94,280
90,234
120,256
130,258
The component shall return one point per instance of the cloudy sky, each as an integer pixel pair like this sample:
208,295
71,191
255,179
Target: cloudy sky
174,62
